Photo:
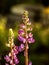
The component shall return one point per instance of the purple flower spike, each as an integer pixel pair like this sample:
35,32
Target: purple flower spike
21,31
30,63
27,36
11,58
7,58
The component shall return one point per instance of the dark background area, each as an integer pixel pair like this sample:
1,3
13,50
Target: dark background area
5,5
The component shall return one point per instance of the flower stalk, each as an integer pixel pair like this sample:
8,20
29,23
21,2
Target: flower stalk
26,44
11,42
11,58
25,35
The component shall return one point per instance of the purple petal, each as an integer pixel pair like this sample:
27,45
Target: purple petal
31,40
7,58
30,63
22,46
21,39
20,49
21,31
30,34
15,51
11,62
16,61
14,56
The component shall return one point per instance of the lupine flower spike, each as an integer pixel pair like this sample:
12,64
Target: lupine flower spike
25,36
11,58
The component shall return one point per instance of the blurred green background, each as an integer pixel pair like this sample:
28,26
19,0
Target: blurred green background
11,17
